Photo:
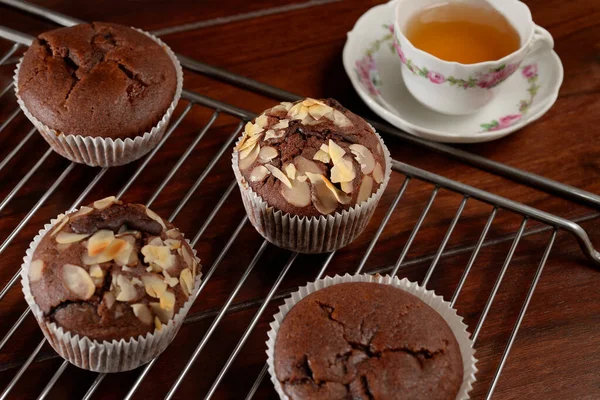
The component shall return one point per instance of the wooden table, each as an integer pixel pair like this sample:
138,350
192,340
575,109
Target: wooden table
296,45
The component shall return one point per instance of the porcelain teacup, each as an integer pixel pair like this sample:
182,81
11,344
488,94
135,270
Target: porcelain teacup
454,88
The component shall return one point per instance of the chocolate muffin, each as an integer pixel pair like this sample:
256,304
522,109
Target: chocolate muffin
112,271
367,341
97,80
311,158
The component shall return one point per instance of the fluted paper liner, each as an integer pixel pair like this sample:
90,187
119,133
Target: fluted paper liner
114,356
106,152
321,234
454,321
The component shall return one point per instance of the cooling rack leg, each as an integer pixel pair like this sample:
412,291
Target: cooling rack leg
21,371
250,328
474,255
490,300
515,330
53,380
438,255
205,280
413,234
389,213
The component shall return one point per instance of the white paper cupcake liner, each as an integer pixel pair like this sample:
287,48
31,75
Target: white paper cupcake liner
114,356
310,234
106,152
454,321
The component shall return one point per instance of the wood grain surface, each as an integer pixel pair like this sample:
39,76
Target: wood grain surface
296,45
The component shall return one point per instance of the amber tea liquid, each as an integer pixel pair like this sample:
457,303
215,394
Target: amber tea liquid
465,33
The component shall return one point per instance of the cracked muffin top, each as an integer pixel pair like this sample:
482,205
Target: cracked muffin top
311,158
99,80
366,341
112,271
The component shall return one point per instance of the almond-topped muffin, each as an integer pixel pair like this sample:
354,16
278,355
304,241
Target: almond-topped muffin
314,161
311,158
112,271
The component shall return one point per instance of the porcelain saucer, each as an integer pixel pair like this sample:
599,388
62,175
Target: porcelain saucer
373,65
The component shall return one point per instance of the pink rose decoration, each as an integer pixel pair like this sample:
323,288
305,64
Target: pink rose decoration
530,71
364,68
436,77
507,121
400,52
494,78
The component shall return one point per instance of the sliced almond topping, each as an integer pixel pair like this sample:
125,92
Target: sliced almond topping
287,105
170,280
173,233
109,299
167,301
322,198
340,119
186,281
378,173
158,256
340,196
105,203
282,124
68,237
325,148
249,130
347,187
60,224
78,281
173,244
247,147
366,188
298,195
126,291
246,162
298,111
335,151
143,313
301,178
261,121
279,175
100,241
322,156
163,315
36,269
343,171
96,271
309,101
125,268
118,250
276,109
157,324
271,134
267,153
290,171
188,257
317,111
137,281
156,217
304,165
154,285
259,173
364,157
155,241
127,255
84,210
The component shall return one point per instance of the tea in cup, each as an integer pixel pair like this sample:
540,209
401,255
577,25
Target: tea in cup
456,54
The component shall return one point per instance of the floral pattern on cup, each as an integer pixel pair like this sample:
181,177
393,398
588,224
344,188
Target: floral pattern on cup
489,80
366,68
529,72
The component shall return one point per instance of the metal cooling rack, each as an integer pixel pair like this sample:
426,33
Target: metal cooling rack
410,174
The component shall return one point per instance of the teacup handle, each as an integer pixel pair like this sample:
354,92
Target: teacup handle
542,39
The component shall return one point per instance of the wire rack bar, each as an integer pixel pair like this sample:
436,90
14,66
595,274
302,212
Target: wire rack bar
250,328
213,213
6,89
22,370
18,148
12,330
9,119
474,255
53,380
382,226
88,395
9,53
440,250
513,334
216,321
415,230
183,158
507,261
